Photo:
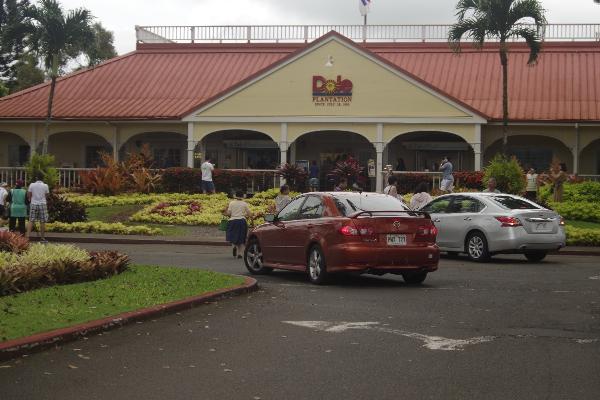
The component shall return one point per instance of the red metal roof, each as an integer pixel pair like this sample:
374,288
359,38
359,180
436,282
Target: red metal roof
166,81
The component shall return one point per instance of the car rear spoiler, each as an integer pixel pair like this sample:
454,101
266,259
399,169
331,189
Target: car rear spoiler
409,212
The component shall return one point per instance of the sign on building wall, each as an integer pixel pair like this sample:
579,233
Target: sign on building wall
331,93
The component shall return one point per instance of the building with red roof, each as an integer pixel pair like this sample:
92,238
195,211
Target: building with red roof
257,104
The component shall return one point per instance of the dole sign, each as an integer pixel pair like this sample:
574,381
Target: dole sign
332,93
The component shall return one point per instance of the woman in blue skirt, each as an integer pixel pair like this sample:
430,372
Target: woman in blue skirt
237,227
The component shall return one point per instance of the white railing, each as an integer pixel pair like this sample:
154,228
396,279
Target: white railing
308,33
595,178
67,177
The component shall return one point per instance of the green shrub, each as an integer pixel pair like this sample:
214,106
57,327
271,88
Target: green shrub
510,177
44,165
582,236
116,228
40,255
577,211
580,192
60,209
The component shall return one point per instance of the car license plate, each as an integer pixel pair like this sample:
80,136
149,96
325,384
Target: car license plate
541,227
396,240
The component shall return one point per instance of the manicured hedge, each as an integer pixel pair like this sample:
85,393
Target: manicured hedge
188,180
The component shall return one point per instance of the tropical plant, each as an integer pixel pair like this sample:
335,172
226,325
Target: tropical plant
349,169
144,180
58,38
504,20
43,165
294,176
13,242
62,210
107,180
102,47
510,177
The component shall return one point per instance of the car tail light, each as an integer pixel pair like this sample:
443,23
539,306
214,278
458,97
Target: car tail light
509,222
366,233
562,222
426,233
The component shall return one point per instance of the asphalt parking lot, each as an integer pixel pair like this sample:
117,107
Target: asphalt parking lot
504,330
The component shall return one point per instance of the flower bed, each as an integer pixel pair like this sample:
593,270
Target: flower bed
116,228
27,267
90,200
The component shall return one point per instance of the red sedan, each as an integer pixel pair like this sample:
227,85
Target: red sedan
325,233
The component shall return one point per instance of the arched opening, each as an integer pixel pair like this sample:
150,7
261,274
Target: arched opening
77,149
589,159
168,149
238,149
535,151
423,151
327,148
14,151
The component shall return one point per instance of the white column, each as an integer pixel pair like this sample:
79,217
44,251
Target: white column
379,147
576,151
476,145
115,143
283,143
33,142
191,145
293,153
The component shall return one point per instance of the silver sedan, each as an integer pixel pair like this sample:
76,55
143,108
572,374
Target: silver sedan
484,224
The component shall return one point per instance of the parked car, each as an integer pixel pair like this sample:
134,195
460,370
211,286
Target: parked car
326,233
484,224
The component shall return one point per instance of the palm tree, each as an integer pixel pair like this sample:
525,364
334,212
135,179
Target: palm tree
503,20
58,38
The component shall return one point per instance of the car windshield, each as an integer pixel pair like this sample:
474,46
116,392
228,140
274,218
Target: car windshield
348,205
513,203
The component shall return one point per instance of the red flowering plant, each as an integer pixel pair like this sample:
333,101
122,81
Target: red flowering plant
294,176
173,209
349,169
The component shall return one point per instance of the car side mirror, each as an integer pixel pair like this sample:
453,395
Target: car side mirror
270,218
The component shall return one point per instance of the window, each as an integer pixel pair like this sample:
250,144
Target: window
512,203
438,206
312,208
93,156
465,205
353,203
167,158
291,211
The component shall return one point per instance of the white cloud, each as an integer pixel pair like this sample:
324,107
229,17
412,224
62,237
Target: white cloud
121,16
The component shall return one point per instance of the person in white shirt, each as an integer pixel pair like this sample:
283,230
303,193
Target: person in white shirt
531,190
208,186
3,196
38,212
237,227
421,197
392,189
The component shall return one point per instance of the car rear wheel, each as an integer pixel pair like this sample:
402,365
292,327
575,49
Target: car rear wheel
253,258
317,269
414,279
535,256
477,247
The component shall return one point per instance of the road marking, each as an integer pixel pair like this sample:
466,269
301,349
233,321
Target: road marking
595,278
429,342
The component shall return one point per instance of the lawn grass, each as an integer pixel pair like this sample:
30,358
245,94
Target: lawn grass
583,224
140,286
112,213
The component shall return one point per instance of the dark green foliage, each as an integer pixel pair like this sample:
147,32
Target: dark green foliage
63,210
509,175
14,28
43,165
102,47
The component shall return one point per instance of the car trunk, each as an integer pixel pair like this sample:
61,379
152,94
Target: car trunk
394,230
539,221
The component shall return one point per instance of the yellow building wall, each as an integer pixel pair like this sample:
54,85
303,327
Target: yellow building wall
565,134
465,131
8,141
130,130
368,131
377,92
203,129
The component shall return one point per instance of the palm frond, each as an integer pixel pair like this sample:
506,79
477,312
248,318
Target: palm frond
527,9
533,40
464,7
475,29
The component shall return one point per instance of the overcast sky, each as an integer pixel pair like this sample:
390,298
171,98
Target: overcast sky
120,16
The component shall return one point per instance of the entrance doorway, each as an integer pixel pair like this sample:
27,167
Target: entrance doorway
239,150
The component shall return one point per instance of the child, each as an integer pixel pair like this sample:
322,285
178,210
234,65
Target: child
283,198
237,227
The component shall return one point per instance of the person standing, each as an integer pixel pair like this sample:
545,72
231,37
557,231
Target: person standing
421,197
237,227
341,186
313,177
207,168
447,183
37,194
283,198
531,189
18,207
392,188
3,196
492,186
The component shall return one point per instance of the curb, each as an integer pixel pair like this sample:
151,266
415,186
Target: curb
131,241
576,253
41,341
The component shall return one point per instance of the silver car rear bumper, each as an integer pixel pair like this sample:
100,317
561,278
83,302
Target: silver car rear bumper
518,240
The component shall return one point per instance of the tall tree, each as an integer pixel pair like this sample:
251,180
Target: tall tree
58,37
102,48
503,20
14,27
27,73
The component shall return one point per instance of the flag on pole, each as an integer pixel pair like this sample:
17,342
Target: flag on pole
364,6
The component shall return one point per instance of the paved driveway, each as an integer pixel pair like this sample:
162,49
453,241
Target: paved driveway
504,330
